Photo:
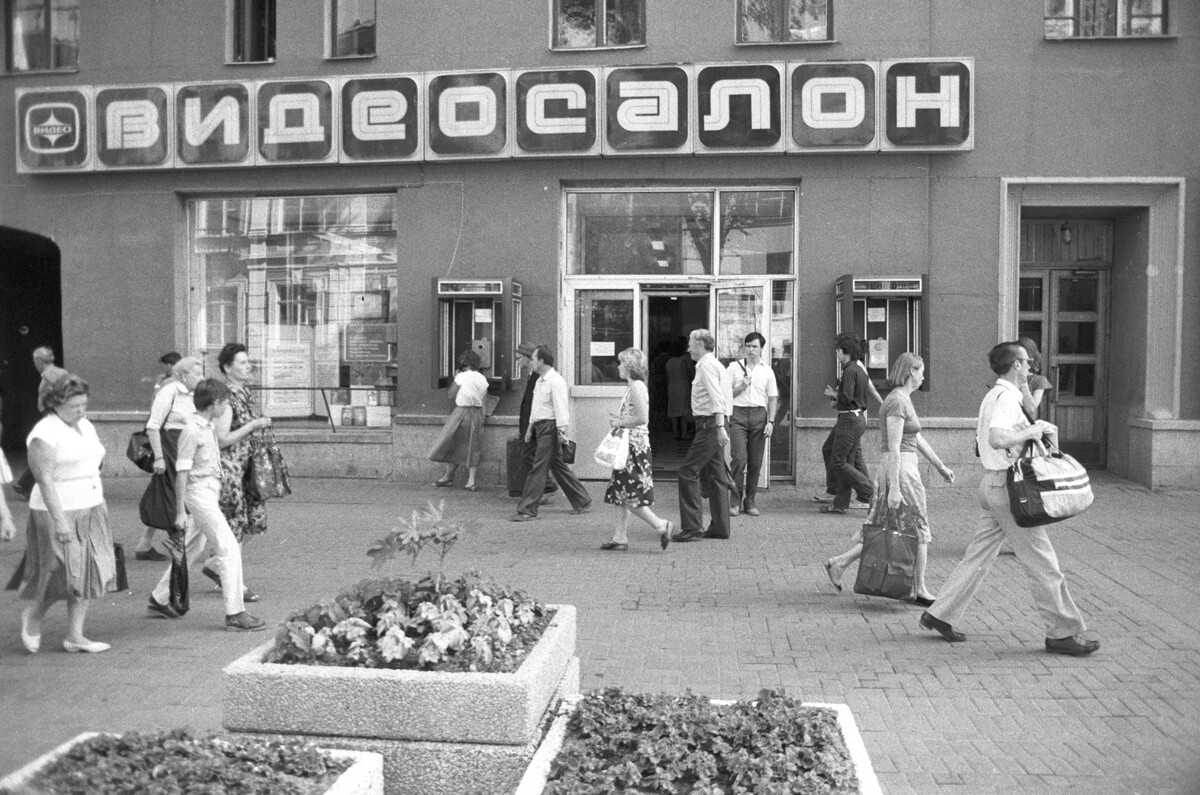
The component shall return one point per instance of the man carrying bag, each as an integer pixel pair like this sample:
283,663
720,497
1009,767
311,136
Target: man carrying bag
1001,432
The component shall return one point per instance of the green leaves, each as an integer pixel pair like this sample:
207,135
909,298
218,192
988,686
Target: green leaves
659,743
425,527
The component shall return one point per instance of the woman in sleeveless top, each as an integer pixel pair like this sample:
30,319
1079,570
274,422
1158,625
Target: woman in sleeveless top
631,489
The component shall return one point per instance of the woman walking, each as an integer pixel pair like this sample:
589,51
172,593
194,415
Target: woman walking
631,488
898,487
68,546
461,440
236,427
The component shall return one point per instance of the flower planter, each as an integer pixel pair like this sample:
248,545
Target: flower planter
439,733
537,774
363,777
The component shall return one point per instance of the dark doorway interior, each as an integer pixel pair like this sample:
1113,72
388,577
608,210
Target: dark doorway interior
30,315
669,318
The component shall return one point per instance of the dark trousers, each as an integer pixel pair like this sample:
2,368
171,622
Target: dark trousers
547,460
747,441
847,433
705,458
529,451
830,474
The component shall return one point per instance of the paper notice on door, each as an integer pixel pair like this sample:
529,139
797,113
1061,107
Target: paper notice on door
877,353
603,349
876,314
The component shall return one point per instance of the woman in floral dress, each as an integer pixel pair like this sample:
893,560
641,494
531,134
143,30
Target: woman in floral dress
632,488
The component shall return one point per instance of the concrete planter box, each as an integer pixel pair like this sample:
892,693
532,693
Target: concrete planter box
423,706
535,778
363,777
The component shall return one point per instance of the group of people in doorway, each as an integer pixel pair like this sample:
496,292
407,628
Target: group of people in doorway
202,432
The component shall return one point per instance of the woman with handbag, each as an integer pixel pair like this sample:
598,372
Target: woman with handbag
237,427
461,440
68,548
899,493
631,487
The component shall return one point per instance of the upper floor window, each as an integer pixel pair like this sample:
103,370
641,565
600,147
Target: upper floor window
784,21
582,24
1084,19
43,35
251,31
350,28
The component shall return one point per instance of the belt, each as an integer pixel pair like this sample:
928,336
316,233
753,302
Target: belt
855,411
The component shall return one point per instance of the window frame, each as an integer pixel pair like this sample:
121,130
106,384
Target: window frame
1122,27
235,13
781,12
600,8
331,32
48,15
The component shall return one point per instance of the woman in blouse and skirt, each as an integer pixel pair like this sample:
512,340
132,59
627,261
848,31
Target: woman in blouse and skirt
69,549
631,488
461,440
236,434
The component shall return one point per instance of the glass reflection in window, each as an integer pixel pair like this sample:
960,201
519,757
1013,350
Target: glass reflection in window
603,328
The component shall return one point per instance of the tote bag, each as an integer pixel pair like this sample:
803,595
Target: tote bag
1045,485
888,558
613,451
268,474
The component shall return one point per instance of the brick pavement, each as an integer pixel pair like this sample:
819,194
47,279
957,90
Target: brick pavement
995,714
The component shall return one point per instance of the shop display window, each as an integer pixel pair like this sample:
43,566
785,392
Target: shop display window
43,35
784,21
1091,19
586,24
671,233
308,284
350,28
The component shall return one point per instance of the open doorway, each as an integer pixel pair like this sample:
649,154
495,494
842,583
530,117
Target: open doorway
669,315
30,316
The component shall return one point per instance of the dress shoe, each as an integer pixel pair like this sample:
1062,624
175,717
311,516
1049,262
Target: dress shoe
31,641
834,579
249,596
581,509
87,646
151,554
664,537
735,510
212,575
522,517
715,537
166,611
918,600
615,546
687,535
831,509
823,497
442,484
751,510
1075,645
942,628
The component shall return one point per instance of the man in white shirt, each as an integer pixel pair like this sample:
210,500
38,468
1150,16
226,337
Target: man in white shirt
549,421
1001,432
755,399
711,398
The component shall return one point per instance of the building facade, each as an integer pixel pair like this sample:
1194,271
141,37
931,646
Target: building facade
360,194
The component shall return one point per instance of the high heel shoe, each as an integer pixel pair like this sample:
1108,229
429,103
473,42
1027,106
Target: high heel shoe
88,646
31,641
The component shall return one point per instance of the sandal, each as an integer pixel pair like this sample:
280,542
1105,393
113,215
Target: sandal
471,487
441,484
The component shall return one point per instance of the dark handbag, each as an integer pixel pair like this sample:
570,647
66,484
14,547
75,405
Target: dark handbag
1045,485
157,507
23,485
267,476
179,586
122,575
139,450
888,558
568,451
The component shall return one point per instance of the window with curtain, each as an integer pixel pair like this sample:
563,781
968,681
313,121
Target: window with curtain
351,28
584,24
251,31
1090,19
784,21
43,35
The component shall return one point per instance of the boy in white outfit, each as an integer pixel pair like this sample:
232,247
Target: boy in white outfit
198,512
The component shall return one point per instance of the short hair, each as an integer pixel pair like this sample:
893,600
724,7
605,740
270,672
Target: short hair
704,337
754,335
42,356
170,359
635,363
469,358
850,347
903,367
185,365
208,392
544,354
1035,356
1003,355
229,353
58,389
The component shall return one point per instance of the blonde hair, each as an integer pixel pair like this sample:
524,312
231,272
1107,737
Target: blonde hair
635,363
903,367
184,365
58,389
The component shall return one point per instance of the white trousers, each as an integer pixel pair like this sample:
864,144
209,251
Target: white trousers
209,526
1035,553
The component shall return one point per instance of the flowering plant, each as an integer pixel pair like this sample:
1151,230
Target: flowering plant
467,624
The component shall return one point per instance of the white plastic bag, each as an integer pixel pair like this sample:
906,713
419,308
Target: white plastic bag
613,451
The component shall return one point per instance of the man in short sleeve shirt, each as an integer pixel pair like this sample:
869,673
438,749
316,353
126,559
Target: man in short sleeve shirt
755,399
1001,432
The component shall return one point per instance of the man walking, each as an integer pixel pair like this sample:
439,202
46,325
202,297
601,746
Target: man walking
1001,431
755,399
851,423
712,395
549,420
862,500
525,361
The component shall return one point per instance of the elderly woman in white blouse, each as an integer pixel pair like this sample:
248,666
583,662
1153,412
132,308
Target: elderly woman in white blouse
69,550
